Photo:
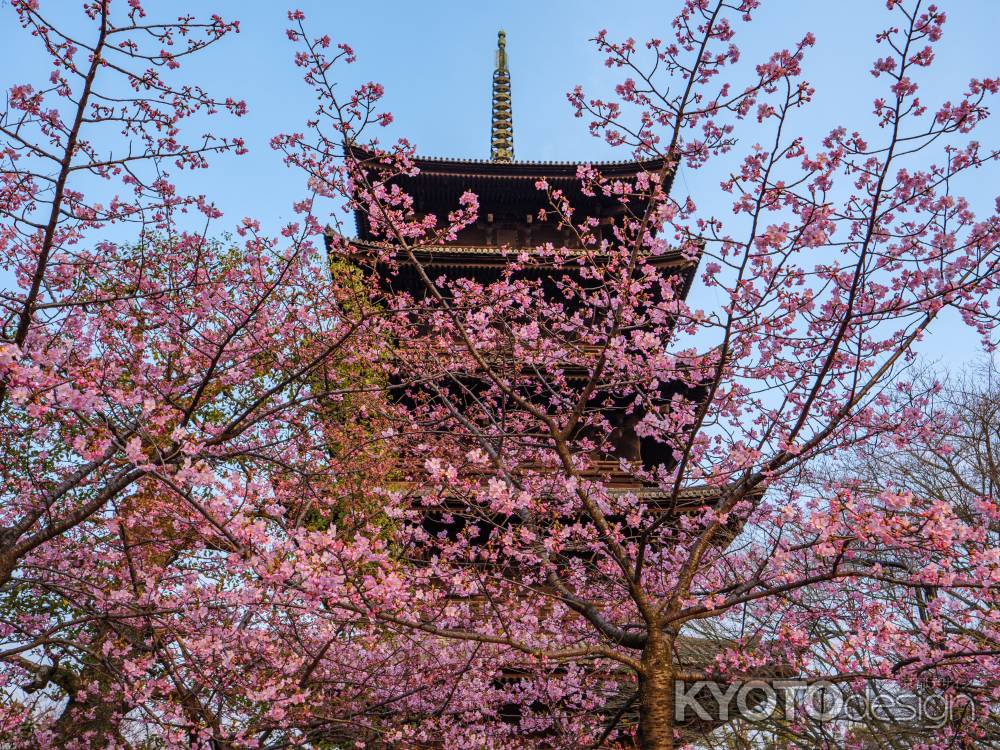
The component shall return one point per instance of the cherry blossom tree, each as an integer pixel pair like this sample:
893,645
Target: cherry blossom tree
253,497
167,403
952,467
838,257
51,234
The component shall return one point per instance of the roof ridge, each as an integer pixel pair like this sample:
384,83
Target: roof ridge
537,162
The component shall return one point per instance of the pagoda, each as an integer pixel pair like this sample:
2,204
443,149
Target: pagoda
509,223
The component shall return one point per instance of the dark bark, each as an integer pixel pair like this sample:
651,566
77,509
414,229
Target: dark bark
656,696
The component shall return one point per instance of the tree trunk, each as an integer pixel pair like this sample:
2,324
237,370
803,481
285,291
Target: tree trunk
656,694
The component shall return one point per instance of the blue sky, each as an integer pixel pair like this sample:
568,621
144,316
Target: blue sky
435,60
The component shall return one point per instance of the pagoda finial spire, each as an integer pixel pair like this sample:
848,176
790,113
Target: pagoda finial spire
502,132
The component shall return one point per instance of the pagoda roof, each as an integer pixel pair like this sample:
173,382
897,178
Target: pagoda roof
477,259
449,166
440,181
463,255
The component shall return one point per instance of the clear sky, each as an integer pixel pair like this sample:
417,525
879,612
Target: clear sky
435,59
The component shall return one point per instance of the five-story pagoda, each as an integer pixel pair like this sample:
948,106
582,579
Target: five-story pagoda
515,219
